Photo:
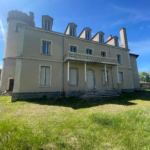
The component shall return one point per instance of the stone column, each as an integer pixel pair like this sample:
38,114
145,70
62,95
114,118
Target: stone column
85,84
68,76
106,82
118,84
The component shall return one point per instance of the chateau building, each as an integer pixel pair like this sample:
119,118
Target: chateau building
39,62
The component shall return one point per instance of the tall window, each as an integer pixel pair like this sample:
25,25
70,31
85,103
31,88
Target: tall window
47,25
116,42
100,38
88,35
103,54
119,58
45,76
103,75
72,32
73,49
121,81
89,51
46,47
73,77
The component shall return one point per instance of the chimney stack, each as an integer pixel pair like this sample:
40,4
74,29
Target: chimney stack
123,37
109,37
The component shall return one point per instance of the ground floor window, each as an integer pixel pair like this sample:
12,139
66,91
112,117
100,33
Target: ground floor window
103,75
45,76
121,81
73,76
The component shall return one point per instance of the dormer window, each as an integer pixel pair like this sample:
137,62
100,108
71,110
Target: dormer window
100,38
72,32
88,35
116,42
47,25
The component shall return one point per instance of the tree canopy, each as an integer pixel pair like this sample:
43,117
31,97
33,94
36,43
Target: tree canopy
144,76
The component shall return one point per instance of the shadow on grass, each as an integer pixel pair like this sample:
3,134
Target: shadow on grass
77,103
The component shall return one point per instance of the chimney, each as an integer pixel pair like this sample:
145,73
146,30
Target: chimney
109,37
123,37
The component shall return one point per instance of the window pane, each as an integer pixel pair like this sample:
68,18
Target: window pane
44,48
42,76
73,49
47,73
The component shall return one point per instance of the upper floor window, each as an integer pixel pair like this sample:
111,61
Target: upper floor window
100,38
47,25
119,58
72,32
103,54
89,51
73,49
88,35
46,48
116,42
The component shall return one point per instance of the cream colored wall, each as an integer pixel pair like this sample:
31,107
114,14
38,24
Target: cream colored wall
111,42
83,35
96,38
8,71
135,74
29,80
68,30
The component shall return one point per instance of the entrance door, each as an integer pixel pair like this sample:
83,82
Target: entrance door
90,79
11,84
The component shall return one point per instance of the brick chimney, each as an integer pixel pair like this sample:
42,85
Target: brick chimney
109,37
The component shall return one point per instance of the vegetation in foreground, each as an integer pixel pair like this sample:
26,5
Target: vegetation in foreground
117,123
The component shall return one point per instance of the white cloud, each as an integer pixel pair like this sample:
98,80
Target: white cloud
2,32
134,16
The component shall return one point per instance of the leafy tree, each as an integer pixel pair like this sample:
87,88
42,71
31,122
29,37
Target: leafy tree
144,76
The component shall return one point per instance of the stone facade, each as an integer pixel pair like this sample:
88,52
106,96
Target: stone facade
39,62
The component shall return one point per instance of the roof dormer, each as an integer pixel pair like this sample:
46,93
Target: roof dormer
86,33
113,40
71,29
99,37
47,22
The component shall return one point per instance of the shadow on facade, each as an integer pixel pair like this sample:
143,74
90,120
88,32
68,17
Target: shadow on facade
76,103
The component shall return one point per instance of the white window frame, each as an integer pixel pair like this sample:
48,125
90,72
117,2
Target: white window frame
51,46
73,46
123,78
103,51
90,49
47,25
70,76
120,57
40,74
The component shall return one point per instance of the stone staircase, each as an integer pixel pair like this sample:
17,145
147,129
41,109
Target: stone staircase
6,93
99,94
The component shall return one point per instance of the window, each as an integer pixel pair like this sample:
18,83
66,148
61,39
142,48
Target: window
88,35
46,47
100,38
116,42
89,51
103,54
45,76
103,75
73,49
121,78
119,58
72,32
73,77
47,25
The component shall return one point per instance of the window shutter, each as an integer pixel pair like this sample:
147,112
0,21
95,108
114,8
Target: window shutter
42,76
47,72
73,76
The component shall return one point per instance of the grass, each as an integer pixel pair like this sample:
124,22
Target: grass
73,124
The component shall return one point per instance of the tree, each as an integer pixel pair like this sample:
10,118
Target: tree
144,76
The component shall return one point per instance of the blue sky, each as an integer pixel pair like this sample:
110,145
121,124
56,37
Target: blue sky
100,15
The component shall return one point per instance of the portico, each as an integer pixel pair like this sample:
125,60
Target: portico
89,73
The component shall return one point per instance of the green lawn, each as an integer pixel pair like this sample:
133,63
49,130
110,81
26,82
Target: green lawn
116,124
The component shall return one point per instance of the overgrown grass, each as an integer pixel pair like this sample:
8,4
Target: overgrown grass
118,123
